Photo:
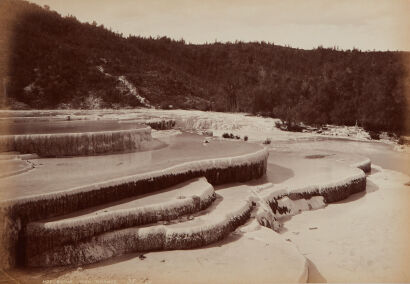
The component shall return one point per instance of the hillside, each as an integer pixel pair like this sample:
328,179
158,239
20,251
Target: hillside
58,62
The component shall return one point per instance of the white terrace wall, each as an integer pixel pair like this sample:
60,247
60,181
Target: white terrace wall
17,213
77,144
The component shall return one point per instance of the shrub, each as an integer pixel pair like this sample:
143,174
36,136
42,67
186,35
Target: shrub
267,141
245,138
400,141
374,135
278,124
295,128
230,136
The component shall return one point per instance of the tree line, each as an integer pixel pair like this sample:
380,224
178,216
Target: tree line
54,63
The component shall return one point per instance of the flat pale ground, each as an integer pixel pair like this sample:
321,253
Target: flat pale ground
55,174
362,239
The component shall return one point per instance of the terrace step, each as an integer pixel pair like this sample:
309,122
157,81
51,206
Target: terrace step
185,198
317,181
231,209
57,143
79,183
335,176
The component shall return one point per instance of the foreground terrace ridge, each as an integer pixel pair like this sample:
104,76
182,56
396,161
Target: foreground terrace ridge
113,243
73,248
22,210
172,203
231,209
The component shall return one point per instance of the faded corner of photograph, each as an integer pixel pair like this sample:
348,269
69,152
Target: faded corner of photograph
224,141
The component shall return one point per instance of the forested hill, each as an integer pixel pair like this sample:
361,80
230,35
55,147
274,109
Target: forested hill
58,62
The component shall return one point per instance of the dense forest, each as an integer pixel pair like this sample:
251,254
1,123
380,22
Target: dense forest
58,62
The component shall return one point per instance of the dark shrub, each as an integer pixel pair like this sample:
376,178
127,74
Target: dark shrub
231,136
225,135
245,138
267,141
237,137
374,135
295,128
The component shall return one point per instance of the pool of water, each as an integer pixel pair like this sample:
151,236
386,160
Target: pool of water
55,174
380,154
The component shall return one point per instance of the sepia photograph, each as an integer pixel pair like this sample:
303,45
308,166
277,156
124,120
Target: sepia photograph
213,141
